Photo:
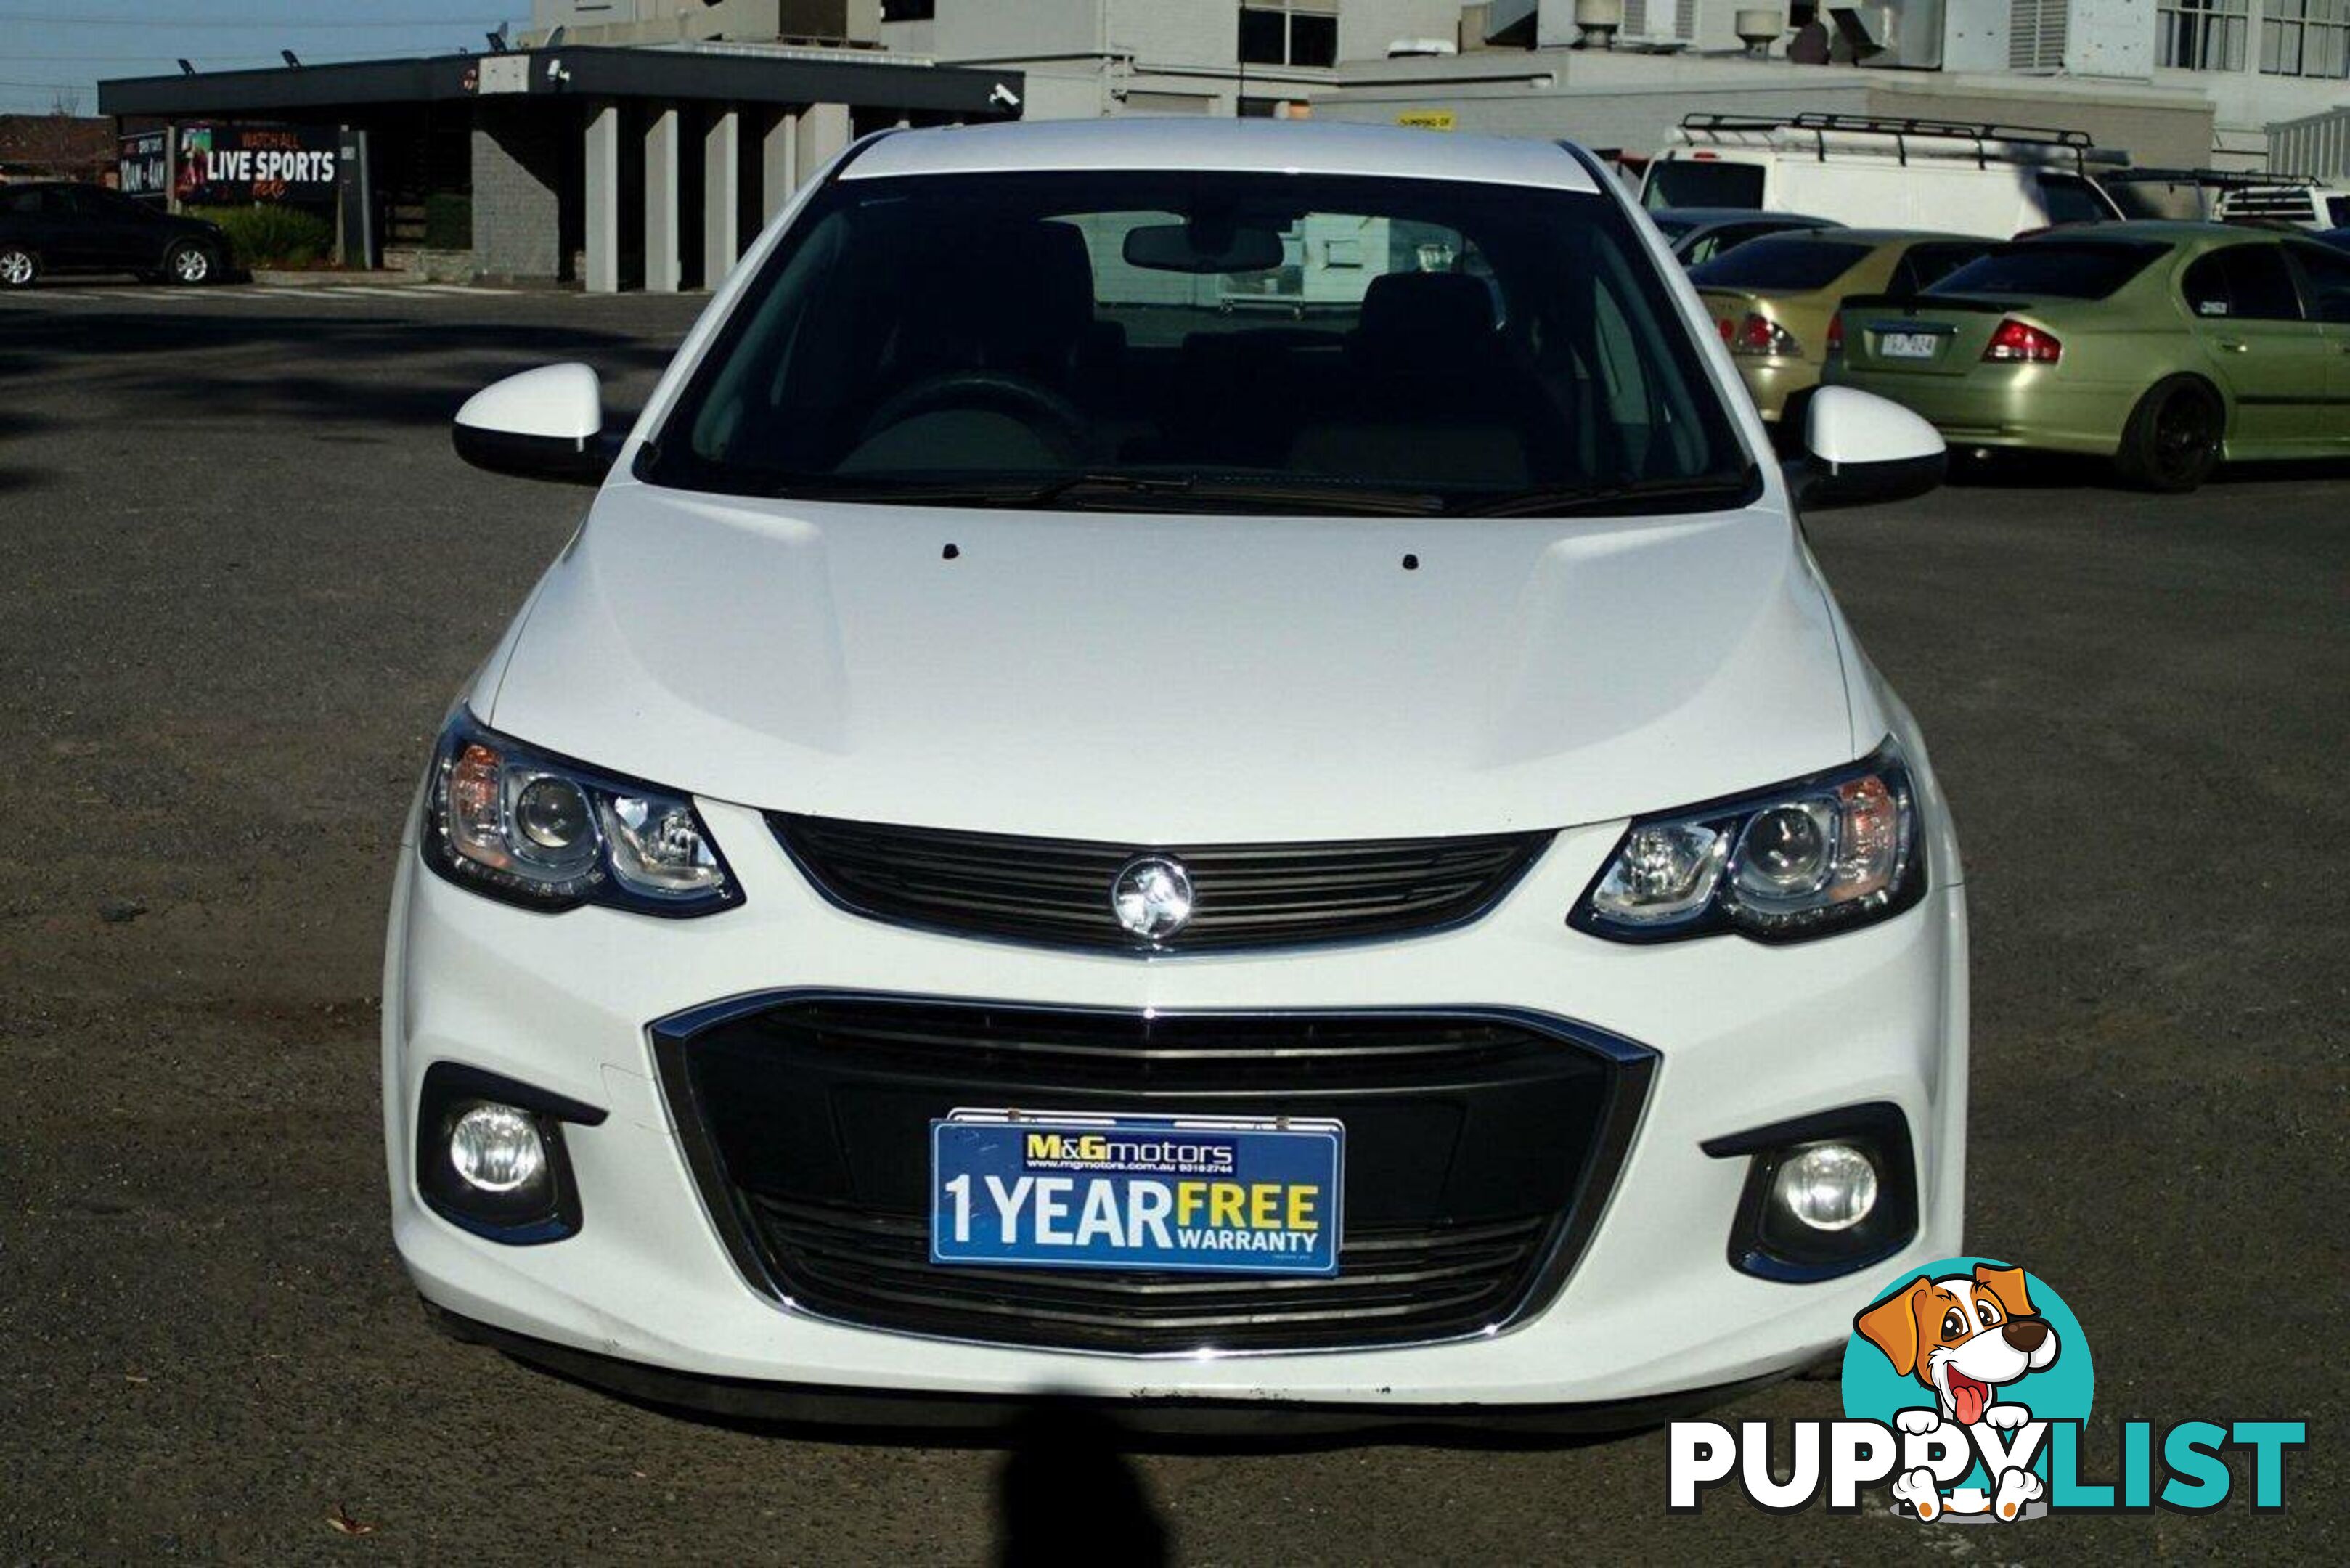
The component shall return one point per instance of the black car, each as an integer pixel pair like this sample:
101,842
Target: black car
84,228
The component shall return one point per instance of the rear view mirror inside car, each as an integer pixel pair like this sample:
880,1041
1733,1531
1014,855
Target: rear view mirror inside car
1197,247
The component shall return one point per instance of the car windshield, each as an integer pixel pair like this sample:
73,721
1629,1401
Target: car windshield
2052,269
1789,264
1207,341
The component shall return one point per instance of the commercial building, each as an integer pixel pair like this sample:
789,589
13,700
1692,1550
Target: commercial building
638,143
1089,57
645,163
2180,83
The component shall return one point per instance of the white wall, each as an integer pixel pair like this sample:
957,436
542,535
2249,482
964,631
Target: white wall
1176,31
1000,29
1366,28
1156,32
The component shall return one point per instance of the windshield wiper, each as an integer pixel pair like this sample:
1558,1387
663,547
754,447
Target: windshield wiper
1098,486
1273,494
1633,497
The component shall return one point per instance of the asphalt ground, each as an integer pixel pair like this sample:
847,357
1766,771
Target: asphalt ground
240,575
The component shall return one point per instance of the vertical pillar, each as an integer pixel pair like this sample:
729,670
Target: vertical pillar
824,132
779,167
517,193
601,235
662,221
722,194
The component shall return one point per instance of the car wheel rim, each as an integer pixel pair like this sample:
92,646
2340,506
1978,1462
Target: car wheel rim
2182,434
15,267
192,267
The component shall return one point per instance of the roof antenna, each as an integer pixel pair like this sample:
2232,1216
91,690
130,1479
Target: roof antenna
287,56
186,69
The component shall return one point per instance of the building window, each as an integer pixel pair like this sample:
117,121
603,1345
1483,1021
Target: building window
909,10
1289,33
2305,37
2201,35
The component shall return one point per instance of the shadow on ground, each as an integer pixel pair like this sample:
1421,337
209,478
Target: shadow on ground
314,367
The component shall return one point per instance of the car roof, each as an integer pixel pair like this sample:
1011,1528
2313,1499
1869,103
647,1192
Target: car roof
2168,231
1240,146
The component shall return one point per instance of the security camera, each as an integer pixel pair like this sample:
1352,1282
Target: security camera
1004,97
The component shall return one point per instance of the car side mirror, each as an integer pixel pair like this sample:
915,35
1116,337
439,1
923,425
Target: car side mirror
546,423
1861,450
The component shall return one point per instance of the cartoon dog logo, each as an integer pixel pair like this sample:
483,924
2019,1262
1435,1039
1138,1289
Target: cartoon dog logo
1965,1337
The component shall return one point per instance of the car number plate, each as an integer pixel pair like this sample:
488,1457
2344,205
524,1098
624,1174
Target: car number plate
1908,345
1181,1193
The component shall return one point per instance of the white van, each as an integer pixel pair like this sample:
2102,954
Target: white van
1996,181
2303,203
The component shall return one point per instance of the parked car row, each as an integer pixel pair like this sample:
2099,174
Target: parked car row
2166,346
1773,300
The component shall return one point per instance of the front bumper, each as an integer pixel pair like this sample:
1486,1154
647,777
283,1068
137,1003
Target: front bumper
1745,1035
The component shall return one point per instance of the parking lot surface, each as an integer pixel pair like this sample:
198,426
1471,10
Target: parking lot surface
244,576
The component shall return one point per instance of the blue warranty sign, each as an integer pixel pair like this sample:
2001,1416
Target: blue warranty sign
1194,1194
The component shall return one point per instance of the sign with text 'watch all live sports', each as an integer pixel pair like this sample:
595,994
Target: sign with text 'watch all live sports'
230,165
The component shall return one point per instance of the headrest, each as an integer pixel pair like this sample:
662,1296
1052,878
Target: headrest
1411,318
1015,297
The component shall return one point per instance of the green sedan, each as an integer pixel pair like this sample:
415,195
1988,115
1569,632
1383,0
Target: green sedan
2164,347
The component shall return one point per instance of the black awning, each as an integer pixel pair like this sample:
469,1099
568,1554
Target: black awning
858,80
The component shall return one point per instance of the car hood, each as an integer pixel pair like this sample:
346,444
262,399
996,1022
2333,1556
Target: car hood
1178,678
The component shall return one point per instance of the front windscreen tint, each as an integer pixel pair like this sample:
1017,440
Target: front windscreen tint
2051,269
1375,344
1789,265
1702,183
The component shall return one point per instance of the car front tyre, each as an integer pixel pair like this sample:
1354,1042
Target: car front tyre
191,263
18,267
2172,443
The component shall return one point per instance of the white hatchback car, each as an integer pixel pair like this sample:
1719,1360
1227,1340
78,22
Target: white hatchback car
1199,763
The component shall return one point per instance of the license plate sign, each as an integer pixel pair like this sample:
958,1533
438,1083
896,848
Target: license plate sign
1908,345
1189,1194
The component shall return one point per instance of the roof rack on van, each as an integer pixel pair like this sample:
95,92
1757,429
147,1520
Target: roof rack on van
2207,179
1984,135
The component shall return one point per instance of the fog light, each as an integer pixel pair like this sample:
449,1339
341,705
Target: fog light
1827,1186
497,1148
1826,1195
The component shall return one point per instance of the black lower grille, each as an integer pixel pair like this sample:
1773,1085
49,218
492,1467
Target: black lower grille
1058,891
1478,1149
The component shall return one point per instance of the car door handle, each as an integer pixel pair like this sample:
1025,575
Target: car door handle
2227,348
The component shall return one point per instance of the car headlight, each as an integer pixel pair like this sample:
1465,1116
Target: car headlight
537,830
1818,855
